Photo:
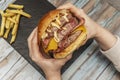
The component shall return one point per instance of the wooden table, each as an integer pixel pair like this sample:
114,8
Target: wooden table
91,64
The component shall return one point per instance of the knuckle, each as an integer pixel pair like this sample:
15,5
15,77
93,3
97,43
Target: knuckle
69,4
35,41
69,57
28,39
34,59
62,63
81,10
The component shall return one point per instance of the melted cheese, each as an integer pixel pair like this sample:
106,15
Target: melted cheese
80,28
52,45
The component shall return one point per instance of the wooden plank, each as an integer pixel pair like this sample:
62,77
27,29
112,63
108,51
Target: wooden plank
98,9
5,4
114,3
42,78
92,68
99,12
15,69
57,3
28,73
89,6
114,23
107,14
116,76
117,31
79,61
81,3
71,1
8,63
108,73
5,49
11,63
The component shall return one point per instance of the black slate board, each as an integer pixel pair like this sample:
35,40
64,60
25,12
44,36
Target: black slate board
37,8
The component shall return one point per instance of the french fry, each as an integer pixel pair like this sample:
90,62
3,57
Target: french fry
15,6
19,12
8,30
8,14
1,12
11,19
7,25
15,28
2,26
6,33
0,31
12,24
13,38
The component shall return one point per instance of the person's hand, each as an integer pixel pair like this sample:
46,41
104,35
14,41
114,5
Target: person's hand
104,38
51,67
90,25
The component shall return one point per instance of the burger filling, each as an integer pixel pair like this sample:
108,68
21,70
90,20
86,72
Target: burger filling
61,32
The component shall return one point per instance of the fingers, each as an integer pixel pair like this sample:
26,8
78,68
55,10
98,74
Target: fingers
30,39
77,12
34,51
83,43
64,60
69,57
34,42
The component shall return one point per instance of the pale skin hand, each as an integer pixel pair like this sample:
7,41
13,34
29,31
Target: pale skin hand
105,39
51,67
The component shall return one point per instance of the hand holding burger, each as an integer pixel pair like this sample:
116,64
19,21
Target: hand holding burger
51,67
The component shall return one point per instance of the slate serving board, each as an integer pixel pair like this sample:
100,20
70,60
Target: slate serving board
37,8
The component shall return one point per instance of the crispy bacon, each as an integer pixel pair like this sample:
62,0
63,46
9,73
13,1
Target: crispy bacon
45,42
69,27
64,34
67,41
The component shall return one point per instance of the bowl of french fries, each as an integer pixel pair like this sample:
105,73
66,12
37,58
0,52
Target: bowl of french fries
10,19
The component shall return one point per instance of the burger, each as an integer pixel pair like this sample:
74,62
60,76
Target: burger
60,33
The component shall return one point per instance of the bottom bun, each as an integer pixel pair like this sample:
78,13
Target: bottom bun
72,47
